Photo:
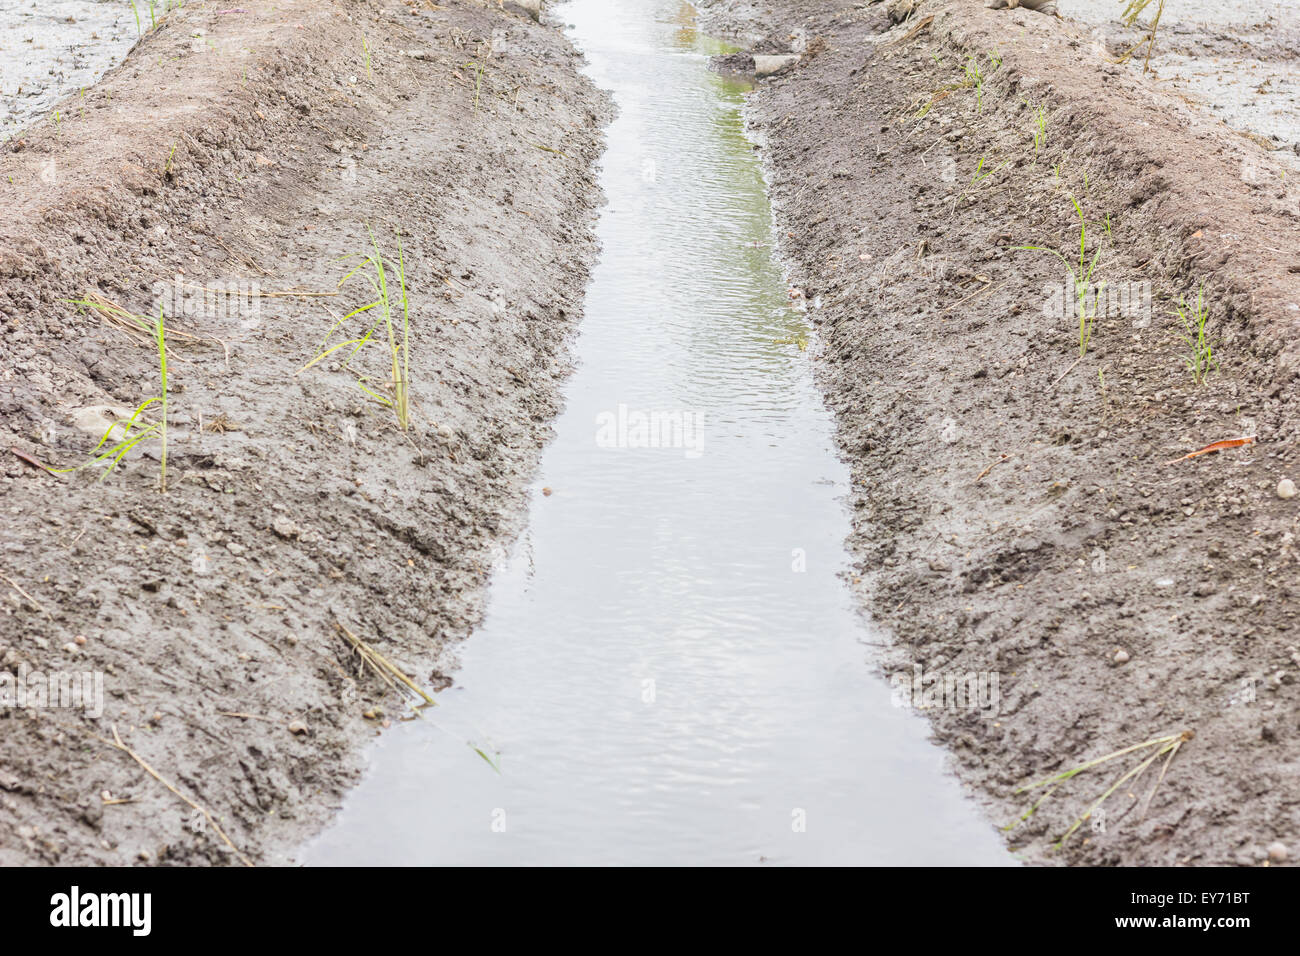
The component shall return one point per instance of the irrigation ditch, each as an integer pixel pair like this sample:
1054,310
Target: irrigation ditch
342,247
1026,419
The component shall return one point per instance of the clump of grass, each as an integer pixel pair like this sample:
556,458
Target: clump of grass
375,267
477,67
975,78
979,176
1039,114
1132,11
382,668
135,429
1148,752
1199,355
1080,275
157,9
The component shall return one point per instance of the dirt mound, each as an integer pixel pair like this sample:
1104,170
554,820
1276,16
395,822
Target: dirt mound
1020,509
220,173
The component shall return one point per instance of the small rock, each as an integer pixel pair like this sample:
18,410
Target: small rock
80,640
1277,852
1286,488
143,856
1121,657
547,492
285,528
529,8
767,65
298,728
234,547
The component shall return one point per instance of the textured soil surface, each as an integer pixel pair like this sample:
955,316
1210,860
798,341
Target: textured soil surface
248,148
1018,511
54,49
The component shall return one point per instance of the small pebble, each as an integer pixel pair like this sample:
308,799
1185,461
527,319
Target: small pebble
298,727
80,640
1121,657
547,492
285,528
1277,852
1286,488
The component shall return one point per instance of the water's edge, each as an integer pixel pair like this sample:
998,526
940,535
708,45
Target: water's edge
671,669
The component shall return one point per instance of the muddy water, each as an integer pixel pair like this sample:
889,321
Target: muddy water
671,670
54,48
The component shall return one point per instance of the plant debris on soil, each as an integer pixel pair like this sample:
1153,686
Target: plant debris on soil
310,561
1111,538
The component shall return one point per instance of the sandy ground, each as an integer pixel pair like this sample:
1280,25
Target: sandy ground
1018,510
245,149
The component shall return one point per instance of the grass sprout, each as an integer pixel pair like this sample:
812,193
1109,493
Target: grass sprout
477,67
376,269
978,177
127,435
1039,114
1085,299
1199,356
975,77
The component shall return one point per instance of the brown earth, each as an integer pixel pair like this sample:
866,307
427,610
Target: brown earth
254,145
1017,510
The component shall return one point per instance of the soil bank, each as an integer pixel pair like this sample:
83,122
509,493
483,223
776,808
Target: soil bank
220,172
1019,510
